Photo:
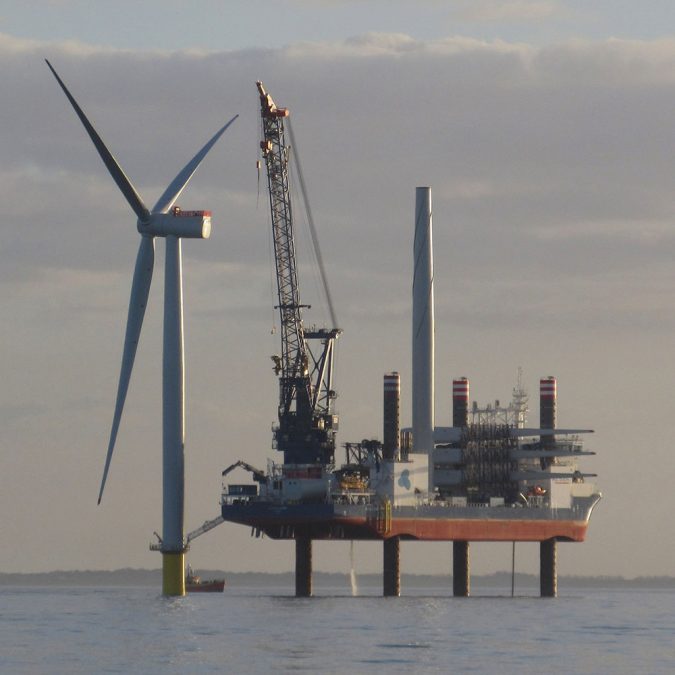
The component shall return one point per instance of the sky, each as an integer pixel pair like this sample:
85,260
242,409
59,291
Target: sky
545,131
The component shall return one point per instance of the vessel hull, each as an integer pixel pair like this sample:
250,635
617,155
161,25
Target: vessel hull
423,523
215,586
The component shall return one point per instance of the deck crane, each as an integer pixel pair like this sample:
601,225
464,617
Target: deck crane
307,423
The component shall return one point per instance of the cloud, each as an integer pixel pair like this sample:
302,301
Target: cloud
514,10
523,146
520,143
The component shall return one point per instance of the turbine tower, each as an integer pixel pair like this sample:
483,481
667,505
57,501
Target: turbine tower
169,222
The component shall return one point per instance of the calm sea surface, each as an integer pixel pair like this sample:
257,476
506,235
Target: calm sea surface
250,631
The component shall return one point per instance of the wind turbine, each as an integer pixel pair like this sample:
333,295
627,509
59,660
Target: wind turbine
169,222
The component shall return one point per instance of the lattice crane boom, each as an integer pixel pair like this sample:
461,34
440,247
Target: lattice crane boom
275,153
307,425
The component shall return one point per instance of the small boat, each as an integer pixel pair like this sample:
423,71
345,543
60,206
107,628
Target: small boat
195,584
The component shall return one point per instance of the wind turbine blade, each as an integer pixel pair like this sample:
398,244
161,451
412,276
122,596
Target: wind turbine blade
123,183
171,194
140,289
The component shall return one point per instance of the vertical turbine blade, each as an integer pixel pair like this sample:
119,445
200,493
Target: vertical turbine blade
166,201
123,183
140,289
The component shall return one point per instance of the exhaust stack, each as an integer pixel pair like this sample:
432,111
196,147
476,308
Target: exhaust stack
460,403
392,432
548,400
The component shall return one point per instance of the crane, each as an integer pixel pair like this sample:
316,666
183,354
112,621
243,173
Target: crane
307,424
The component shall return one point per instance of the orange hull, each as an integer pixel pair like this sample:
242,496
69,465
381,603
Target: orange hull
487,530
215,586
426,529
432,523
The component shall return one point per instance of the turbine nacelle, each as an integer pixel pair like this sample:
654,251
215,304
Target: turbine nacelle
177,223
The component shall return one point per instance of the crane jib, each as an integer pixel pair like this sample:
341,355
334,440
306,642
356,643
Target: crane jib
307,425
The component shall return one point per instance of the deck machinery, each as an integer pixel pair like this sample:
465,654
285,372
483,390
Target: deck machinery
485,478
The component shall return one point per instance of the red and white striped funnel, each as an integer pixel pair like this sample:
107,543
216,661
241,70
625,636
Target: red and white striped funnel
548,398
391,405
460,402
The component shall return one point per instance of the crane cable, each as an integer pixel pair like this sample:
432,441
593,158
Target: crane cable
312,229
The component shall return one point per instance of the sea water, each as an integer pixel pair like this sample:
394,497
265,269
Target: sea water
266,630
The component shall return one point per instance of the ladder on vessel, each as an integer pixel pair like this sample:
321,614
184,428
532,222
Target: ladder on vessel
380,517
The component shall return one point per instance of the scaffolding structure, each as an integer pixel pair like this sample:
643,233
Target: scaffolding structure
486,462
512,415
367,452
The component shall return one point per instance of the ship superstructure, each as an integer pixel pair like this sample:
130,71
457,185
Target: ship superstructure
487,477
492,482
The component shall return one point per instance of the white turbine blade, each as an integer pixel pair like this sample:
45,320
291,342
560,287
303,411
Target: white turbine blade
166,201
140,289
123,183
